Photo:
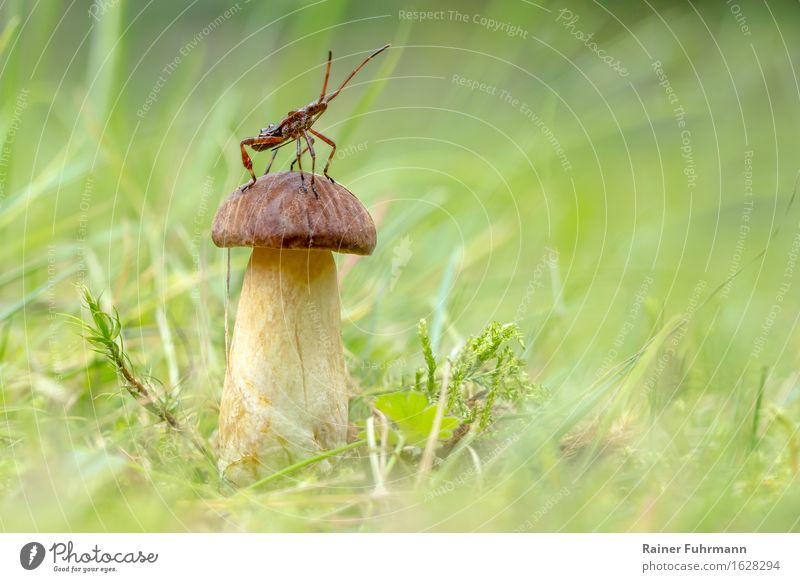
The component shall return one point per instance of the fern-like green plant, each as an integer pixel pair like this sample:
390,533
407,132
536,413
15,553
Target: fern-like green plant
484,372
431,389
104,335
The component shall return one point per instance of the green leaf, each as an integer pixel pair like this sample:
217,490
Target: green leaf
413,416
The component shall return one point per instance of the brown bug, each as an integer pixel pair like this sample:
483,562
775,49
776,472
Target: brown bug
296,126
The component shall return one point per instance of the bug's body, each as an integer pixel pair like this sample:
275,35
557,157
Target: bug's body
296,127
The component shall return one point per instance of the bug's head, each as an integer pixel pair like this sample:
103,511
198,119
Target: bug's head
317,107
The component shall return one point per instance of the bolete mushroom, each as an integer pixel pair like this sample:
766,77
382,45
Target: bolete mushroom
285,393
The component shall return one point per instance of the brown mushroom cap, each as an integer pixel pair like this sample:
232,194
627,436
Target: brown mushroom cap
276,213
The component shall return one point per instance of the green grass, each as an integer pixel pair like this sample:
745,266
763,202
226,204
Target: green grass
665,399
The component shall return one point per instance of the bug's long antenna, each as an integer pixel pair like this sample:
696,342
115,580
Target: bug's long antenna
327,74
357,69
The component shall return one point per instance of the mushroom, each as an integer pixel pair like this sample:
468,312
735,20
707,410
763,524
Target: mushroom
285,393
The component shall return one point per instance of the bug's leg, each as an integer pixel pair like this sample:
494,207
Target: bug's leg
300,166
294,161
247,162
310,148
274,153
328,141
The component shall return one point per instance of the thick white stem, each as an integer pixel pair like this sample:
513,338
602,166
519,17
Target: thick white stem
285,393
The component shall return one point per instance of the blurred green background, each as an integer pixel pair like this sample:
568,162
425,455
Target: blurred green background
589,170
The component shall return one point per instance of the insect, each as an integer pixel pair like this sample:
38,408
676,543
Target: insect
296,127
